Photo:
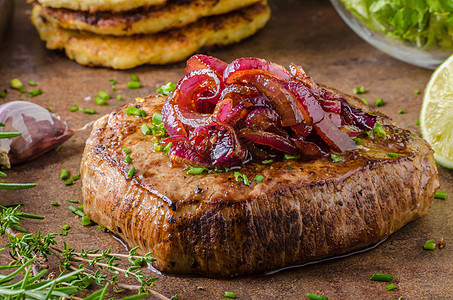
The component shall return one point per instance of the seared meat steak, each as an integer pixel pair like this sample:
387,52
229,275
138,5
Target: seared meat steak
213,225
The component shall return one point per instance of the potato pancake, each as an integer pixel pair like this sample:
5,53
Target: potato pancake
100,5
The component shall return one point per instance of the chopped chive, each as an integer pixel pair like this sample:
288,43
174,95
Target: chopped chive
72,201
167,148
34,93
89,111
55,203
76,211
379,102
113,88
194,170
5,135
166,89
101,228
364,100
391,154
63,232
378,131
241,177
22,90
74,108
131,172
2,174
64,173
16,186
132,110
258,178
2,124
127,151
416,91
417,122
157,118
269,161
145,129
134,77
104,95
100,101
58,148
127,159
289,167
86,221
16,84
382,277
68,182
401,111
440,195
358,141
390,287
230,295
65,227
113,81
133,84
31,83
289,156
316,297
359,90
335,158
3,94
119,98
429,245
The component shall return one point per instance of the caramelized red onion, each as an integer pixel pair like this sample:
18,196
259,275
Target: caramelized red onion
223,115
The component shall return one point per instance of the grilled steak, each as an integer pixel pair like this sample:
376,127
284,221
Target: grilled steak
213,225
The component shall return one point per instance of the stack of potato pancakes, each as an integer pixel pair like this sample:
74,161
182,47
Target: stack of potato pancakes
123,34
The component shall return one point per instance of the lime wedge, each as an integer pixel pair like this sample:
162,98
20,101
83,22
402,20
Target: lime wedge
436,115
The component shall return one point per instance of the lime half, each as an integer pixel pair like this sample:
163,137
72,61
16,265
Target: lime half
436,115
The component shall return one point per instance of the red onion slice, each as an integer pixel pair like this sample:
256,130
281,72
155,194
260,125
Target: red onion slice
41,131
252,63
269,139
200,61
336,138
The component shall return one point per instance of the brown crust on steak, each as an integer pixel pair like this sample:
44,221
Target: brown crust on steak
212,225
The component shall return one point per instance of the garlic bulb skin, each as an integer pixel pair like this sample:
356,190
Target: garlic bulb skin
41,131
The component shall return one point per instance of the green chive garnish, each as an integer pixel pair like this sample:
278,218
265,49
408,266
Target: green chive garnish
104,95
258,178
127,151
359,90
3,94
16,186
2,174
119,98
166,89
55,203
379,102
68,182
34,93
89,111
416,91
440,195
289,156
101,228
63,232
65,227
391,154
31,83
113,81
401,111
145,129
22,90
417,122
86,221
76,211
382,277
131,172
72,201
133,84
241,177
132,110
113,88
358,141
2,124
16,84
64,173
157,118
194,170
134,77
269,161
390,287
230,295
364,100
429,245
378,131
5,135
127,159
335,158
167,148
316,297
74,108
58,148
100,101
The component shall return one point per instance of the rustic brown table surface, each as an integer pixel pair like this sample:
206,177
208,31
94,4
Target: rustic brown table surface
306,32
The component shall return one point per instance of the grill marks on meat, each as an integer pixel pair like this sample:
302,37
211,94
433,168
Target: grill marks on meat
213,225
